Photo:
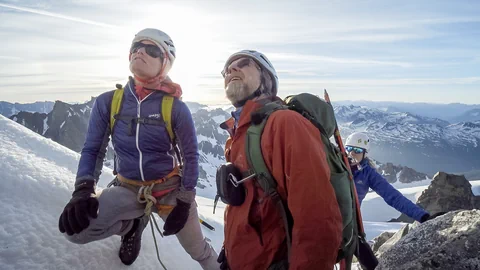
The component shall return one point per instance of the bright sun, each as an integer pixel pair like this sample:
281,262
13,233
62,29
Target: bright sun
200,54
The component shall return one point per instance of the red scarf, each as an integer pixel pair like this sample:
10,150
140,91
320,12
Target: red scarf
144,88
159,83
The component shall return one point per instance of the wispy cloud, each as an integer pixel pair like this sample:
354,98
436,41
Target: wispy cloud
56,15
23,75
422,46
337,60
14,58
383,82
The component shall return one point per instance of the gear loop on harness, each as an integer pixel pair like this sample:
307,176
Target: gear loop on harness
150,201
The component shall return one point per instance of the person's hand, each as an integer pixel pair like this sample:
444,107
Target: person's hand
427,217
84,204
177,218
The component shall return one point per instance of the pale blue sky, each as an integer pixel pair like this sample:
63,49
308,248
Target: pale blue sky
412,51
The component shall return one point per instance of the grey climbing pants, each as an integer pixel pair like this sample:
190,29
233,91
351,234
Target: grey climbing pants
118,206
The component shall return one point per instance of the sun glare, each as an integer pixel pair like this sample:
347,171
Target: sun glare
200,51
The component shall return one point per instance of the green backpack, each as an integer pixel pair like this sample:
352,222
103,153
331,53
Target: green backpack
322,116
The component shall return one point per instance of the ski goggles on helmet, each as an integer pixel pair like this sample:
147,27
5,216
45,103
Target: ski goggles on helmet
356,150
152,50
240,63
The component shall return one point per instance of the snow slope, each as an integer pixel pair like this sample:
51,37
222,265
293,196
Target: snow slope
37,177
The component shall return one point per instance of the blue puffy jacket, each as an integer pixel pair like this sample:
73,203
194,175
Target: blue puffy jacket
147,153
367,177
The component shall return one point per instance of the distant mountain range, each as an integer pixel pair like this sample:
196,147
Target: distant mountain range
423,143
418,143
8,109
453,112
67,124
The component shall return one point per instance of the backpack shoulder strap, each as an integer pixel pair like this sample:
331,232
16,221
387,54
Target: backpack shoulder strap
255,158
256,163
253,146
115,106
167,106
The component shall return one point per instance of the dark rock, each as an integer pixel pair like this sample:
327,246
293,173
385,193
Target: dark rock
447,192
450,241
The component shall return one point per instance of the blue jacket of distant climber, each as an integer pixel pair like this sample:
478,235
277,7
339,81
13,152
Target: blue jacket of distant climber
367,177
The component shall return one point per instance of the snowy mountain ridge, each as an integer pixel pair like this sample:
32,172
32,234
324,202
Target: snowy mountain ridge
425,144
8,109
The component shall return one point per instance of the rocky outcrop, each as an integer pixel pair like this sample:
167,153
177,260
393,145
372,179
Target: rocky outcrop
394,238
449,242
68,124
447,192
380,240
403,174
408,175
34,121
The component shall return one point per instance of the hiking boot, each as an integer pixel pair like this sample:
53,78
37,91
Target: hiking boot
131,242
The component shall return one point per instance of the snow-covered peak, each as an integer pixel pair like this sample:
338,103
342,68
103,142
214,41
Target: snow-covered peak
358,114
469,116
8,109
387,126
423,143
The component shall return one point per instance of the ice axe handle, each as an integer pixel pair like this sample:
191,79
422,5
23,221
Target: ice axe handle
206,224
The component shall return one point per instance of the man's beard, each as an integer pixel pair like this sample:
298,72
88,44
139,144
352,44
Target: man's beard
237,91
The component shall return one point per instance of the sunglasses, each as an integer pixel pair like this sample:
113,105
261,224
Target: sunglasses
152,50
241,63
356,150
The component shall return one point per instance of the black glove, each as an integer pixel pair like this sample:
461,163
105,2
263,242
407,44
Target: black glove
177,218
365,255
83,204
430,217
222,259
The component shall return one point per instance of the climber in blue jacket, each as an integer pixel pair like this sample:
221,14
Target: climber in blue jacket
366,177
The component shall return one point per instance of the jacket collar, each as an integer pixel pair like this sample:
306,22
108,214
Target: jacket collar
245,116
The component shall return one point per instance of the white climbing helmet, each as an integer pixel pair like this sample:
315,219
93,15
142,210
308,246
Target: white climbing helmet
162,40
261,59
358,139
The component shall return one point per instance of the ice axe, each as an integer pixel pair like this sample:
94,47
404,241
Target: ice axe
204,223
